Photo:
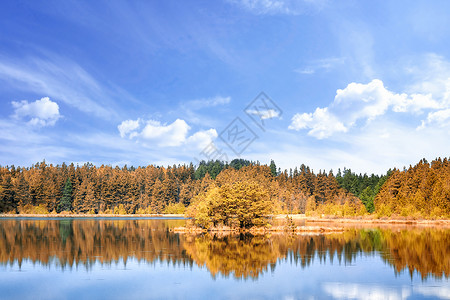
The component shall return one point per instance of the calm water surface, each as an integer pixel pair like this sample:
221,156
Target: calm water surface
144,259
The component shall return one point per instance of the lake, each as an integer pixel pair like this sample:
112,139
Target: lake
82,258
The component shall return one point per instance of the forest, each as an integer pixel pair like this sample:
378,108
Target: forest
420,191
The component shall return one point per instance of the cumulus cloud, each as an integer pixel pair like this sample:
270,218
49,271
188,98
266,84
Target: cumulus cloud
416,103
165,135
364,103
440,118
43,112
430,75
321,122
201,139
128,126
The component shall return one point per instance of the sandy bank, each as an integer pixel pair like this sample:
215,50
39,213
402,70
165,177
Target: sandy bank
367,220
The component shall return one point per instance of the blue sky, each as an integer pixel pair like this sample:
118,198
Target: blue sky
360,84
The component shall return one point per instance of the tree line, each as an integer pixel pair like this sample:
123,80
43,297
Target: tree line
152,189
422,190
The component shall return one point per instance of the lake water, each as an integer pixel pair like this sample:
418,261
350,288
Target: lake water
144,259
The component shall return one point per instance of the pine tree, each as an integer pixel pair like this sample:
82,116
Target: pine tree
273,168
65,204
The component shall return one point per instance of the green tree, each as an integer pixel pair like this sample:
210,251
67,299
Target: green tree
273,168
65,204
367,196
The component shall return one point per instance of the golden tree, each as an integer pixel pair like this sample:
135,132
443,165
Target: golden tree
239,201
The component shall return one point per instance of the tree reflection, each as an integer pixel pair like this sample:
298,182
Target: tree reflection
242,255
73,242
83,242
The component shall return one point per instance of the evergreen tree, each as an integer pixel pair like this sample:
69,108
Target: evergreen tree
65,204
273,168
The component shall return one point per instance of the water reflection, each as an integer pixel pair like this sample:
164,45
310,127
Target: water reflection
73,242
242,255
341,290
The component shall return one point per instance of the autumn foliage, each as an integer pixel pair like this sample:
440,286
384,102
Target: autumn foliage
237,199
419,191
240,194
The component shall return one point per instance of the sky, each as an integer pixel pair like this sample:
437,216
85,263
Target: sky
330,84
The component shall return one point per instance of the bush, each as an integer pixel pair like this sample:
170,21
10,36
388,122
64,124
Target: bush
383,210
175,208
347,209
120,210
41,209
437,213
310,206
144,211
107,211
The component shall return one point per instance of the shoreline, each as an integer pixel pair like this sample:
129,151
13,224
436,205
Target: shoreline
369,220
295,217
224,230
91,216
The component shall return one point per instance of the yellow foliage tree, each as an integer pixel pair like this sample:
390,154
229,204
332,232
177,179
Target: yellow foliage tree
241,204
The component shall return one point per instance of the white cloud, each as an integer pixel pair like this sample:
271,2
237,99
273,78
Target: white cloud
287,7
208,102
308,70
430,75
365,291
265,113
440,118
128,126
364,102
416,103
325,64
165,135
441,292
321,122
201,139
361,291
43,112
